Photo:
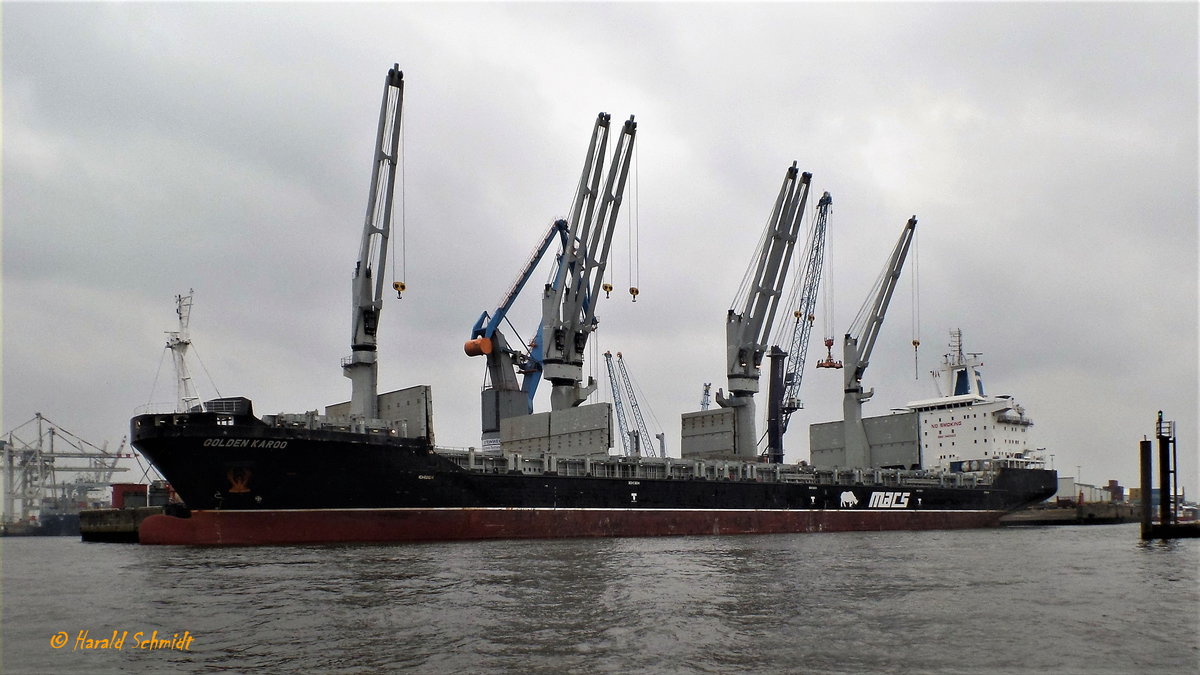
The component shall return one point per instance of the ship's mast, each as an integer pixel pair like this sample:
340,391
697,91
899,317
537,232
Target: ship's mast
178,342
361,366
960,373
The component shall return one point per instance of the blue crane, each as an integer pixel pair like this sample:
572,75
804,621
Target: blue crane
504,397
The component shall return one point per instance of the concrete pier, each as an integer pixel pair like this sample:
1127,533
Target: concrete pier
114,525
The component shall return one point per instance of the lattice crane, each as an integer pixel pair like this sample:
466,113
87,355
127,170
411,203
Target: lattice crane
814,260
784,390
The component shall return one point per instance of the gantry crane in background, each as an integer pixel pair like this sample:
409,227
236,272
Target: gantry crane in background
784,386
361,366
619,406
35,487
645,443
747,332
634,441
858,344
503,396
568,303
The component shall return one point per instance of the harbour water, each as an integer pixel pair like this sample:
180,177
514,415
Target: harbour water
1012,600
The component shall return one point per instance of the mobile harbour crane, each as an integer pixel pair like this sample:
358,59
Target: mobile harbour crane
568,311
504,397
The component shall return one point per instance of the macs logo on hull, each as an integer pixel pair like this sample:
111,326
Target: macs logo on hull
888,500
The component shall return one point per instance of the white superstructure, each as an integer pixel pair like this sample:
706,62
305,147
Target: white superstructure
967,430
963,430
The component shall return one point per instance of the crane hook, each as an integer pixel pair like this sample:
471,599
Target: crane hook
399,286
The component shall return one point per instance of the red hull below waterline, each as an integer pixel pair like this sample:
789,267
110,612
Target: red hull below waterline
213,528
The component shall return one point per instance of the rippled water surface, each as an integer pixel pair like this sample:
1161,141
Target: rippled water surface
1063,600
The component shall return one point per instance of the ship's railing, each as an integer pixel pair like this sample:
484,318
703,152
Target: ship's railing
671,468
163,408
311,420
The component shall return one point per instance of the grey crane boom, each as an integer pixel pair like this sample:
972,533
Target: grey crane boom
858,344
367,299
747,333
568,304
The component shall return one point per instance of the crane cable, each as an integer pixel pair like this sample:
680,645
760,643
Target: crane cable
400,286
743,290
633,217
827,293
796,290
916,306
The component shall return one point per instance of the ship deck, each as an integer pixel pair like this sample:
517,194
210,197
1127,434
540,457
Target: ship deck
663,468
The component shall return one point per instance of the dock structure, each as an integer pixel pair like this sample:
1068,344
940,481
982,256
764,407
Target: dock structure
1168,525
47,474
115,525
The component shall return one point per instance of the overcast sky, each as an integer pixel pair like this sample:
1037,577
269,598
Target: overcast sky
1049,152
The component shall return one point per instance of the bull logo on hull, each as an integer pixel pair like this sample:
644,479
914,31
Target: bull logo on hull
239,479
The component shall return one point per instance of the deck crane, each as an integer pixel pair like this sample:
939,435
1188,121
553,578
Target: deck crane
505,397
361,366
784,387
858,344
568,307
644,433
747,332
618,404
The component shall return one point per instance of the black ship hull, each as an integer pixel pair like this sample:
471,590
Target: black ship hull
245,482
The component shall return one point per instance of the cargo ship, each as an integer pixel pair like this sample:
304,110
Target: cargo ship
280,480
369,469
